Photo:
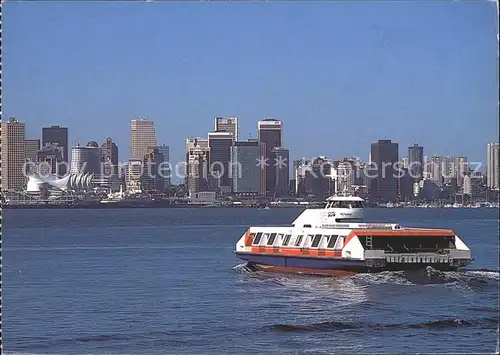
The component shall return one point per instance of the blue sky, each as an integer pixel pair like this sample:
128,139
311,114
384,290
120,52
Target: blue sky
340,75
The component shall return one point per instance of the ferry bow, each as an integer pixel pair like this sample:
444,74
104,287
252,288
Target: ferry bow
334,240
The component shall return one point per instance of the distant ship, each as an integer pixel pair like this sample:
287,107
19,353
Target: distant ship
334,241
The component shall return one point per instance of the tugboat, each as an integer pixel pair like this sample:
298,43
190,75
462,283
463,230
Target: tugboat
334,241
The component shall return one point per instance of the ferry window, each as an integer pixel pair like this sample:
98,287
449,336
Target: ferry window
280,238
271,239
307,226
316,240
299,240
331,242
340,243
287,239
326,238
257,238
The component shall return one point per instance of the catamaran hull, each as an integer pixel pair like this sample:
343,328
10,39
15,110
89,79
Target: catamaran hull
327,266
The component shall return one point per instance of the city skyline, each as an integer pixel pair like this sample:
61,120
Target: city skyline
431,82
404,158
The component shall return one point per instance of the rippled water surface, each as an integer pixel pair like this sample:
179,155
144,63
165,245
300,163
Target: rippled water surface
167,281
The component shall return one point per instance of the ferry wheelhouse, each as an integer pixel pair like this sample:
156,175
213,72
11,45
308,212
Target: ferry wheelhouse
334,241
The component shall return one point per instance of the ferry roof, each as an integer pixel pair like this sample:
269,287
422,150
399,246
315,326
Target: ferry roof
344,198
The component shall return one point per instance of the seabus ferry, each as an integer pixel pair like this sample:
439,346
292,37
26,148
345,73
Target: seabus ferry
334,241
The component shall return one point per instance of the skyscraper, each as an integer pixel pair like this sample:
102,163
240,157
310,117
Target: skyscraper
436,169
270,132
49,159
461,165
384,155
143,136
449,170
416,161
151,180
59,136
493,166
86,159
282,168
197,156
229,124
166,169
31,147
245,172
109,156
13,155
220,144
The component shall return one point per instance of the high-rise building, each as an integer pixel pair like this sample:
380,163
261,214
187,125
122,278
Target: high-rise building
50,160
270,132
13,155
143,136
151,179
57,135
436,170
405,162
166,169
416,161
220,144
282,167
227,124
133,174
462,167
197,161
86,159
493,166
31,147
245,171
384,155
344,173
109,156
449,170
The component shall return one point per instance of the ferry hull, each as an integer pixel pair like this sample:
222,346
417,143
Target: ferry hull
326,266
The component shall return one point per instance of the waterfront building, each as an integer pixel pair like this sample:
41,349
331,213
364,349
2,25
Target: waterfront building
493,166
197,161
13,155
245,171
86,159
384,186
270,133
281,165
220,144
143,135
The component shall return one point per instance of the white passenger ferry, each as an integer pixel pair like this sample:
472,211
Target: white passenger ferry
334,241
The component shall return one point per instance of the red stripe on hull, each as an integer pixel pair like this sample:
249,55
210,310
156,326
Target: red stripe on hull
295,270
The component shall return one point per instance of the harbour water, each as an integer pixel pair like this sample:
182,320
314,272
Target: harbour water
157,281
